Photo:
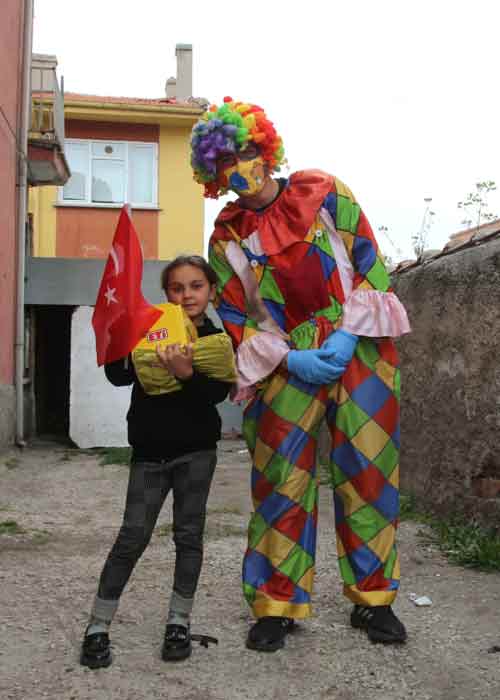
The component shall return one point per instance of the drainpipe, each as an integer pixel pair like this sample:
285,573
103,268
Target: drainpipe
22,209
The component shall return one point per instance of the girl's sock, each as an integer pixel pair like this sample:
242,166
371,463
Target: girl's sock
180,610
101,616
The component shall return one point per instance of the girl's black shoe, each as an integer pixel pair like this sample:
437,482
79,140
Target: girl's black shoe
268,633
380,623
96,651
177,643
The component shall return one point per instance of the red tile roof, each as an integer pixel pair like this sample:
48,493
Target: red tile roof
79,97
196,103
458,241
475,234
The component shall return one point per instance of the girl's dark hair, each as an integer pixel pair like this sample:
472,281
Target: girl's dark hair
194,260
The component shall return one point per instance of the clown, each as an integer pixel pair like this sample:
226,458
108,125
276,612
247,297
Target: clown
304,294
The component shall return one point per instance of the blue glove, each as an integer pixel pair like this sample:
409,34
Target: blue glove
340,346
314,366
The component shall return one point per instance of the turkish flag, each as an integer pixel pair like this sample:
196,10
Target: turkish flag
122,316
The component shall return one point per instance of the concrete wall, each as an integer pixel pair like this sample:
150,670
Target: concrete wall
11,12
97,408
451,382
97,413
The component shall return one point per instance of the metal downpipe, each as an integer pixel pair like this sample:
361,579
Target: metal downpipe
22,216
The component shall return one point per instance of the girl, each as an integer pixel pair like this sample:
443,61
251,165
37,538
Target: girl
173,438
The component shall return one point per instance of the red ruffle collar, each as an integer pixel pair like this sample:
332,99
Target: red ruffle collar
289,218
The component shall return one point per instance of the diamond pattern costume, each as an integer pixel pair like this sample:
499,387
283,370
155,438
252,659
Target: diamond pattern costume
288,277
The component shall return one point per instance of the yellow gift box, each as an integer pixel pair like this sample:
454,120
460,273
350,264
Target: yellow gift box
212,354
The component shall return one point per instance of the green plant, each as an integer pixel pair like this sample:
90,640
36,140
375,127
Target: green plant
12,462
218,531
225,510
10,527
116,455
164,530
468,543
389,261
39,536
420,239
409,509
475,205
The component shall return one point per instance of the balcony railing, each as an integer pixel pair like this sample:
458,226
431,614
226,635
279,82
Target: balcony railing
47,116
47,164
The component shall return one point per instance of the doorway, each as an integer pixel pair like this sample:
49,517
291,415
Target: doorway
52,371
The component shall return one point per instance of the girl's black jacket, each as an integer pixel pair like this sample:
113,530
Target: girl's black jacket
165,426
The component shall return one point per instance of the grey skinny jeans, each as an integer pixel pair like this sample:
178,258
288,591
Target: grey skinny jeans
189,477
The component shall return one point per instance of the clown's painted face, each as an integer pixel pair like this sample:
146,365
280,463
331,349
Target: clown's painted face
244,173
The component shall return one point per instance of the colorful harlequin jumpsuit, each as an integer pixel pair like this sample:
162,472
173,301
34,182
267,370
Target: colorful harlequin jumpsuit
288,277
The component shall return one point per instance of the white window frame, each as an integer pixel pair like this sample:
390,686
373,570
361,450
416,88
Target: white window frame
87,202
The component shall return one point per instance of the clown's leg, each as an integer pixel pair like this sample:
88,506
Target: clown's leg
363,417
280,427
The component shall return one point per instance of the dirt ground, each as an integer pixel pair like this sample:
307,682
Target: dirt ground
70,507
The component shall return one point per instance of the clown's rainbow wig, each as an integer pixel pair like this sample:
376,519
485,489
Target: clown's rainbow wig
228,129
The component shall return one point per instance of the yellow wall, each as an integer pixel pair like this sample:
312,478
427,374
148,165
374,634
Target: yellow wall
41,206
181,202
180,197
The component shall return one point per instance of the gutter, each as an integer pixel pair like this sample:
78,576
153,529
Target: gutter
22,208
128,107
167,109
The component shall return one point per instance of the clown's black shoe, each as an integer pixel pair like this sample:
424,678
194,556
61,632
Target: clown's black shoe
268,633
380,623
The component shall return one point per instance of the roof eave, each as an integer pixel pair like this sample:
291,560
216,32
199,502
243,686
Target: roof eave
129,107
140,114
174,115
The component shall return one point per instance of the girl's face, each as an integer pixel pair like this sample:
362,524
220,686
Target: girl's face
188,287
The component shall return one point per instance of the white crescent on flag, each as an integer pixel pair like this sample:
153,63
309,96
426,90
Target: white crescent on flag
115,259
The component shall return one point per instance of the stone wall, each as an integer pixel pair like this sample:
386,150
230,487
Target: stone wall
450,413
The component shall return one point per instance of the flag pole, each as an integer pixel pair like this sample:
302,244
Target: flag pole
128,209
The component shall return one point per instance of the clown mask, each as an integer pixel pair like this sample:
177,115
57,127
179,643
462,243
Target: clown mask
246,177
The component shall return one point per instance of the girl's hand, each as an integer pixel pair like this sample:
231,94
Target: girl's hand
176,360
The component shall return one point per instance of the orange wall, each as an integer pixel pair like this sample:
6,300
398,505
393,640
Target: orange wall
11,62
81,129
87,232
84,232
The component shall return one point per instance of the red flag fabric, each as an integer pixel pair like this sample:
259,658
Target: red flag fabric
122,316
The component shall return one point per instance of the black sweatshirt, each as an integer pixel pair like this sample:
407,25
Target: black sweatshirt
162,427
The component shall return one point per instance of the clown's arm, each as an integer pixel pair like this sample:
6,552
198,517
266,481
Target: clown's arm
260,345
371,308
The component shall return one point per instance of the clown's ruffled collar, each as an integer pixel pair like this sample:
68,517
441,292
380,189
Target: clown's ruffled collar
288,218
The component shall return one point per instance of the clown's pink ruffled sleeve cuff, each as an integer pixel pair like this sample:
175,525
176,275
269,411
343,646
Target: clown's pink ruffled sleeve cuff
256,358
375,314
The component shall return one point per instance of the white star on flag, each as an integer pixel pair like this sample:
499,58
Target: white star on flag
110,295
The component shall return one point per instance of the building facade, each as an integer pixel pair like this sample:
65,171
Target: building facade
32,156
120,150
11,60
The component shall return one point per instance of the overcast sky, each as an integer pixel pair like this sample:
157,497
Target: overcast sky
399,99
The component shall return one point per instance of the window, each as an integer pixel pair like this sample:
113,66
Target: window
107,173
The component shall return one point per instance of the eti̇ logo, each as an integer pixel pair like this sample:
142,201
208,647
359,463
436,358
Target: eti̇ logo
155,336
